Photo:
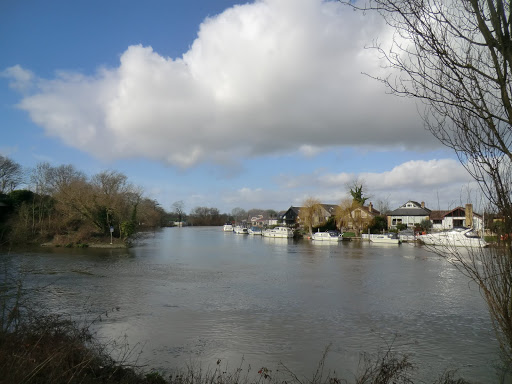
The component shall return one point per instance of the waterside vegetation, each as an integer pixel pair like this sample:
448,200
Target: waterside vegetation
63,206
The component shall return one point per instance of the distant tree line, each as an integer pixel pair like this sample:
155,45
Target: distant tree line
206,216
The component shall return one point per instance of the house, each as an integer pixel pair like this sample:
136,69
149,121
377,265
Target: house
326,212
263,221
359,217
457,217
257,221
411,214
292,215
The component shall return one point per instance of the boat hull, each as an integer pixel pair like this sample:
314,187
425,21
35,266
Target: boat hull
326,236
385,239
255,231
279,232
241,230
453,238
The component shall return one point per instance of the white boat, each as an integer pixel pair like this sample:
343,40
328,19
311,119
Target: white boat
407,235
254,231
327,236
456,237
240,229
386,238
228,227
278,232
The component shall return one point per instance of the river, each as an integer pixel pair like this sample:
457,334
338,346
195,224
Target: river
195,295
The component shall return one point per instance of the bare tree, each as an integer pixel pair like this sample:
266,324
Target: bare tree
310,210
350,214
205,216
239,214
116,200
179,209
62,176
383,206
11,174
43,203
150,213
456,57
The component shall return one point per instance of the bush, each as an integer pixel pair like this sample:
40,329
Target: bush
401,227
425,225
379,224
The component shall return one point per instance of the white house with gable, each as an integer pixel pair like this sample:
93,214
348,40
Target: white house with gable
411,213
457,217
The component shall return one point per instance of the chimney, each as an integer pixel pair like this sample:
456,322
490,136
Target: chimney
469,215
422,204
370,207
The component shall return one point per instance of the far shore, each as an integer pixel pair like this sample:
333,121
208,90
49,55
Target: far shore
115,245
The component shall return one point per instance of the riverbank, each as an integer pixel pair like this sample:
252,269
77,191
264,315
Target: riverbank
75,241
116,245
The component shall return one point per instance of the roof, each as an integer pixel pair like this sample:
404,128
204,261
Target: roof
410,212
295,210
418,210
439,215
365,208
331,208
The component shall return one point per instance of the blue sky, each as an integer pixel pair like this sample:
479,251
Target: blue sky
216,103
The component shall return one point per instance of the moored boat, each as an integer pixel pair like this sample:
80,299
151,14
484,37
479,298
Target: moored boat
281,232
228,227
385,238
241,230
333,236
456,237
254,231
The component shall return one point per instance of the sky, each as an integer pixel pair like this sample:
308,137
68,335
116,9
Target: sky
217,103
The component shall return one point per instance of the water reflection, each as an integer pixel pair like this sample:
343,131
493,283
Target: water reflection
202,294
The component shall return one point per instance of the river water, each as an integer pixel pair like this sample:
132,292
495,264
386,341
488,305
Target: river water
195,295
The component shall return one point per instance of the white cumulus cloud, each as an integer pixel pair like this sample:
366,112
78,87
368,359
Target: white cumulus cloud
272,76
21,79
439,182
